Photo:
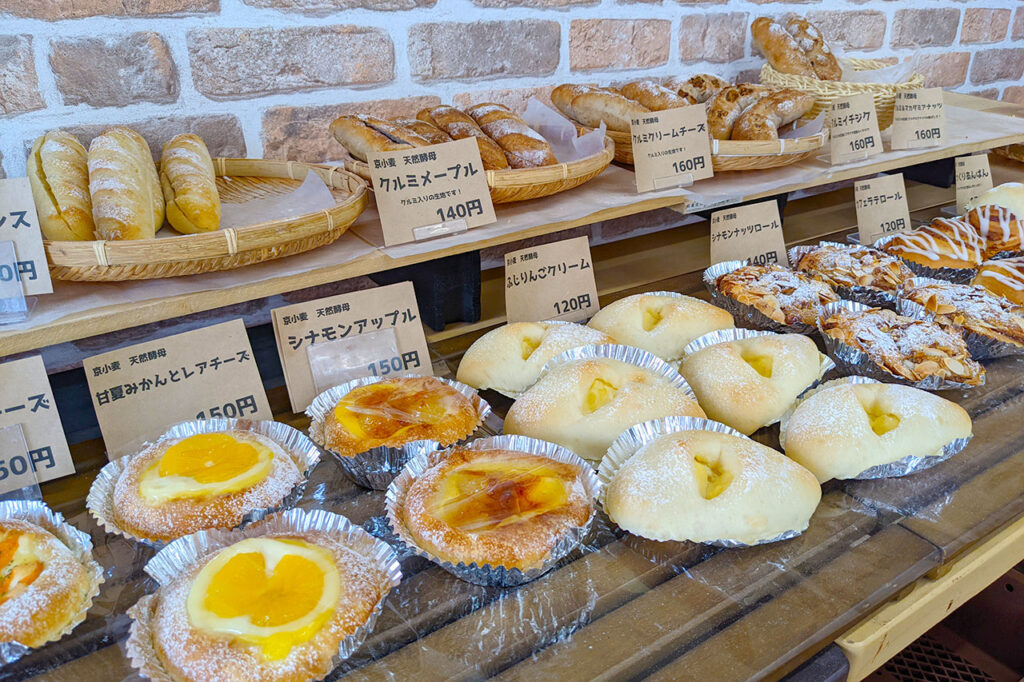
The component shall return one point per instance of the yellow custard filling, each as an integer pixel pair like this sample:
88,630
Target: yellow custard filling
273,593
378,412
205,465
19,564
599,394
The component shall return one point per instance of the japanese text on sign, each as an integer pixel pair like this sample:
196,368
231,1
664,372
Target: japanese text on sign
551,282
27,399
881,205
752,232
919,119
973,178
671,148
853,129
20,224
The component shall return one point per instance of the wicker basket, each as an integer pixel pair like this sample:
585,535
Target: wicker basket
827,92
238,180
520,184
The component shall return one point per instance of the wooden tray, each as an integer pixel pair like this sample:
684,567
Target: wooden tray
520,184
238,180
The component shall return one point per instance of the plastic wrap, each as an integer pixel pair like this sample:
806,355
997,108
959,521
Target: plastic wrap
744,313
561,134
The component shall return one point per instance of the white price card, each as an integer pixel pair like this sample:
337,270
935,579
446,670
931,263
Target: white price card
346,318
919,119
752,232
430,191
671,148
973,178
881,205
853,129
20,224
142,390
551,282
27,399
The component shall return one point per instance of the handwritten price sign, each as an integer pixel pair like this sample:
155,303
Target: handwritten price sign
671,148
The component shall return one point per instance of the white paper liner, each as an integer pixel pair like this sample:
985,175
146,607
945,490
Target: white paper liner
301,449
869,295
981,347
487,574
183,554
958,275
850,360
561,133
747,314
312,196
75,540
636,437
377,467
628,354
901,467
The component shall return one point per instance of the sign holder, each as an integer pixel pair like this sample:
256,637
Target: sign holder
18,479
337,362
14,307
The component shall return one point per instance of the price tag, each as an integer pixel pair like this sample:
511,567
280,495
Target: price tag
973,178
551,282
853,129
27,399
141,390
348,317
751,232
881,207
19,224
919,119
671,148
16,468
430,191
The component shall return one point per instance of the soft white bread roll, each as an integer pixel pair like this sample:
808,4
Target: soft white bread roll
749,383
661,322
127,200
844,429
702,486
189,185
1009,195
585,405
509,359
58,172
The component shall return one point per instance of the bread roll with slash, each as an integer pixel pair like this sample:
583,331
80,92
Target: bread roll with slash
460,125
361,135
127,201
189,185
654,96
780,48
764,118
58,172
699,88
810,40
524,147
428,131
729,104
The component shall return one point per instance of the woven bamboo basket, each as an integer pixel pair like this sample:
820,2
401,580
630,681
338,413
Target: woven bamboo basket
827,92
238,180
520,184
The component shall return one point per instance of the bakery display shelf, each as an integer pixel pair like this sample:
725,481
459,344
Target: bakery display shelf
84,310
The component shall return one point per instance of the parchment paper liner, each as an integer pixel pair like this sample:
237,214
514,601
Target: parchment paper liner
636,437
901,467
377,467
958,275
741,311
872,296
487,574
628,354
181,555
850,360
75,540
981,347
302,450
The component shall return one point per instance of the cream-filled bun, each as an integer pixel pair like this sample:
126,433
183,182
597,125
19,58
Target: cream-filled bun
751,382
586,404
509,359
661,322
844,429
703,486
1009,195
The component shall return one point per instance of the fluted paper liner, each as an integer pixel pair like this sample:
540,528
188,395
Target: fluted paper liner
487,574
627,354
741,311
75,540
901,467
957,275
872,296
637,437
850,360
301,449
377,467
183,554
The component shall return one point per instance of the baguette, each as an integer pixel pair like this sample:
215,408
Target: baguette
699,88
127,200
764,118
360,138
427,131
460,125
654,96
58,172
189,185
604,105
523,146
563,95
780,48
729,105
813,44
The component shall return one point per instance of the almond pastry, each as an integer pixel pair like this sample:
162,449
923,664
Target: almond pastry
971,308
855,266
787,297
945,243
1003,277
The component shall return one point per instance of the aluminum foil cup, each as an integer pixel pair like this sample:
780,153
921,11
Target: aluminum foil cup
637,437
872,296
746,314
377,467
75,540
627,354
958,275
486,574
850,360
302,450
981,347
182,555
